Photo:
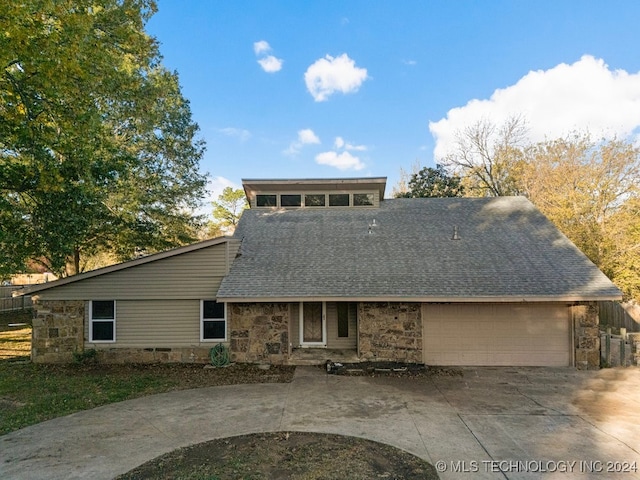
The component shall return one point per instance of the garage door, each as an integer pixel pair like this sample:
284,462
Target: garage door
496,334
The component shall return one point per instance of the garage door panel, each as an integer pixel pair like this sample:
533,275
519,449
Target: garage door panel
505,334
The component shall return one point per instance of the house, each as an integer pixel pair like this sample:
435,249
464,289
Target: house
331,266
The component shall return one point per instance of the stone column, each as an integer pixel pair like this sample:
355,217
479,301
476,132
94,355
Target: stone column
586,335
259,332
390,331
635,348
58,330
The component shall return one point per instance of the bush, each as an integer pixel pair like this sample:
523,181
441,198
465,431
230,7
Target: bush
86,356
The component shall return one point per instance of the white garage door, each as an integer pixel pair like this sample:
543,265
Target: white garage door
496,334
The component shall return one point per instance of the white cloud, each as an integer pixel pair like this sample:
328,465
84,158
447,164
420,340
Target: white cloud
341,161
216,185
585,95
270,64
239,133
340,143
261,47
305,137
329,75
411,63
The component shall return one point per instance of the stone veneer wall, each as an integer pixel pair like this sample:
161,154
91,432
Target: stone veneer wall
259,332
390,332
57,330
587,335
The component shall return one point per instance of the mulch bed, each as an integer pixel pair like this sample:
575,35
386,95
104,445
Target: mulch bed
393,369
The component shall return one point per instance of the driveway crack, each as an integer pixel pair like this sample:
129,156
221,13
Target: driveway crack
284,406
415,425
467,426
537,402
607,433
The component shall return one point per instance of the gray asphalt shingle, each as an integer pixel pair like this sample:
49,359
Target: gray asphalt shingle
507,248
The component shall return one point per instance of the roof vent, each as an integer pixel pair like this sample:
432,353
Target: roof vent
455,234
372,225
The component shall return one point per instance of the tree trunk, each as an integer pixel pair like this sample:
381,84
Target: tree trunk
76,261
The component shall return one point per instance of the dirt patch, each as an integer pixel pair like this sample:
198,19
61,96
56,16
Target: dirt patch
176,376
286,455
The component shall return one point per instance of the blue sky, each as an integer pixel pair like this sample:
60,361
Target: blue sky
325,89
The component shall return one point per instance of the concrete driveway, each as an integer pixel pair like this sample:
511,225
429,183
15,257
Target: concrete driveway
494,423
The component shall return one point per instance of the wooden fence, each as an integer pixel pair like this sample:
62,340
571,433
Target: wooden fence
9,303
620,315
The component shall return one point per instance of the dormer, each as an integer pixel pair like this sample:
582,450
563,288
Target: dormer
315,193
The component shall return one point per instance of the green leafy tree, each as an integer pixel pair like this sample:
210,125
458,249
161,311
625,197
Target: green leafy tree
98,152
433,182
227,211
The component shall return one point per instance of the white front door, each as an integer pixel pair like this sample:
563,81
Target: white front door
313,325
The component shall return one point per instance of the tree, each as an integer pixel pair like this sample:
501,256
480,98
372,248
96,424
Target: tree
227,211
591,192
489,157
98,152
402,186
433,182
624,258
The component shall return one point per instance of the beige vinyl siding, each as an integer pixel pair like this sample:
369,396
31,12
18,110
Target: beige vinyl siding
155,323
294,324
333,341
376,199
497,334
193,275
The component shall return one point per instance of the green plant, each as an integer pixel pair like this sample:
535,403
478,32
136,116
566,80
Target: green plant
85,356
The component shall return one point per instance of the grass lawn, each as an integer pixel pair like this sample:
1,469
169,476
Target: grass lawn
15,341
31,393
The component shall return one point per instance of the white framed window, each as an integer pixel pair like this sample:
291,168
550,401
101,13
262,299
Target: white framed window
213,321
363,199
339,199
102,321
266,200
292,200
315,200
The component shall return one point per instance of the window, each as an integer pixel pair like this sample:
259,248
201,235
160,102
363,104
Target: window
102,321
290,200
214,321
338,199
314,200
362,199
266,201
343,319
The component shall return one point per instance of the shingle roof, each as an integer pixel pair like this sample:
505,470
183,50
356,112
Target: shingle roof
507,250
